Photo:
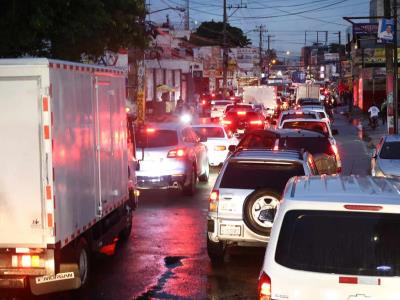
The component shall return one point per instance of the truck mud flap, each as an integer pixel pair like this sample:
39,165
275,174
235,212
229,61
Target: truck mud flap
67,279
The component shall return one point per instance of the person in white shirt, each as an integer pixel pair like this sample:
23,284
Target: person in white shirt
373,112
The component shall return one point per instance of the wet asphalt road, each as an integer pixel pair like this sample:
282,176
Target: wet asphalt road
166,257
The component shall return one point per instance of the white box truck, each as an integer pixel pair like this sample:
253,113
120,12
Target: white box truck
264,95
65,187
307,91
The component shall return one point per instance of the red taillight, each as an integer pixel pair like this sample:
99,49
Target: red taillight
203,102
256,122
363,207
176,153
213,201
226,122
264,287
298,113
335,150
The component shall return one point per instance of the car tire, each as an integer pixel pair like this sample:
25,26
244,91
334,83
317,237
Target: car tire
204,177
83,261
253,206
215,251
190,189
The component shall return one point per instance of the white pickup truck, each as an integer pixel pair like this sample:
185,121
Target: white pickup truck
65,187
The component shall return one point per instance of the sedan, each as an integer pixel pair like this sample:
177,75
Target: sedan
218,142
385,161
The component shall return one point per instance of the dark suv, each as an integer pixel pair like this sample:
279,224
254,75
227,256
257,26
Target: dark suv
325,154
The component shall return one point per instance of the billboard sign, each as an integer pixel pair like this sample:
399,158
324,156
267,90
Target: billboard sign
385,31
365,28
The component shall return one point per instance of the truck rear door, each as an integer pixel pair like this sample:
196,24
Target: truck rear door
21,214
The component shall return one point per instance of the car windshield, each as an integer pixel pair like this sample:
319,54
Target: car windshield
352,243
314,145
154,138
210,132
390,150
256,175
320,127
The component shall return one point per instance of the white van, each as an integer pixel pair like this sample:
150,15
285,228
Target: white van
335,237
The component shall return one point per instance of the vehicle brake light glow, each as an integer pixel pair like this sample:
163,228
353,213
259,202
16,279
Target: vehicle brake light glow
241,113
26,261
299,112
203,102
220,148
213,201
264,287
363,207
150,130
35,261
176,153
232,98
335,150
256,122
226,122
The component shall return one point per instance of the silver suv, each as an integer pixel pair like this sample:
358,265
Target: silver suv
243,202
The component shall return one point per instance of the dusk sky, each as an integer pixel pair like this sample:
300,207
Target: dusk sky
287,30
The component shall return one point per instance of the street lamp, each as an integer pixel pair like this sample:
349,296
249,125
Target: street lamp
287,52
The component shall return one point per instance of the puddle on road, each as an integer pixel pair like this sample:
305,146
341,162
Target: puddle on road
156,291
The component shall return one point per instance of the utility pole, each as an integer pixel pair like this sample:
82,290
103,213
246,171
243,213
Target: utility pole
224,53
395,73
261,30
389,74
187,16
225,48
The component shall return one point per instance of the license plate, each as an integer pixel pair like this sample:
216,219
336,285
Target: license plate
240,131
58,277
233,230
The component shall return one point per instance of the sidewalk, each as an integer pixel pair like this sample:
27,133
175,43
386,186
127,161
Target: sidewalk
360,120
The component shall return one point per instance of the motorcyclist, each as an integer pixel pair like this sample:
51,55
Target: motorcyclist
373,112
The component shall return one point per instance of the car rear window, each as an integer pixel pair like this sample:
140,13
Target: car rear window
390,150
156,138
255,175
320,127
242,114
222,103
255,140
298,116
350,243
314,145
210,132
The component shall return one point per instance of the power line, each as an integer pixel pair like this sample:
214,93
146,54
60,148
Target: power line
295,13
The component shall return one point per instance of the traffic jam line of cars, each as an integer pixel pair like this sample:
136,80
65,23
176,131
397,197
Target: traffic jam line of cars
280,185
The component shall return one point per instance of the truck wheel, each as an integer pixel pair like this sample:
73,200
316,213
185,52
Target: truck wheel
259,210
83,260
190,189
204,177
126,232
215,251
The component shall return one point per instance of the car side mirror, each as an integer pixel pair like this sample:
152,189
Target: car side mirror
232,148
335,132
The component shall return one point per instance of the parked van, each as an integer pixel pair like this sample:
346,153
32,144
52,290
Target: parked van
335,237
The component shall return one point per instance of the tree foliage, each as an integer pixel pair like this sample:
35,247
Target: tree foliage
66,29
211,34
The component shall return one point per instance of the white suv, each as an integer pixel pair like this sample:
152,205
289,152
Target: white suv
245,195
335,237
